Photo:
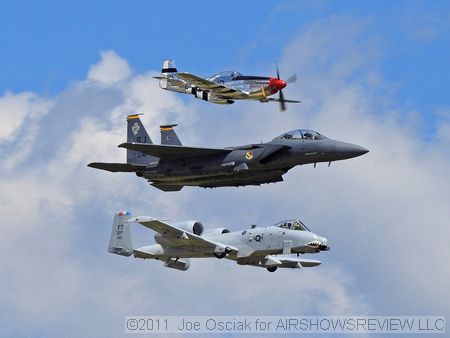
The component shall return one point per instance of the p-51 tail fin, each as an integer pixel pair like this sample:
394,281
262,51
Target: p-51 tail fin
120,242
168,67
167,72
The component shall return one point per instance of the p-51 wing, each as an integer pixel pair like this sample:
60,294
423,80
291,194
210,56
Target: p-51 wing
214,88
191,239
267,99
173,151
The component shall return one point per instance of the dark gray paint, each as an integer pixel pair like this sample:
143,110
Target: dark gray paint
170,167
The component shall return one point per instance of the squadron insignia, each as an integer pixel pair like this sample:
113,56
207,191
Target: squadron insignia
135,128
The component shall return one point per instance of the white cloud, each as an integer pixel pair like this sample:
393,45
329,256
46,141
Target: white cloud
15,109
384,214
19,122
59,213
111,70
397,195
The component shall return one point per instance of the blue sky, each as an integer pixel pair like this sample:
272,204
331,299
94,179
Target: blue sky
51,42
374,74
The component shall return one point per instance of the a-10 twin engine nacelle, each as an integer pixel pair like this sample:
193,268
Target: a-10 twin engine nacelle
216,231
194,227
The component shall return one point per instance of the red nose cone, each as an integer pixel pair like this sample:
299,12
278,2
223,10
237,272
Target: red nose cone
276,85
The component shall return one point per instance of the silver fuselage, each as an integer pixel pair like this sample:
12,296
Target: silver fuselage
258,242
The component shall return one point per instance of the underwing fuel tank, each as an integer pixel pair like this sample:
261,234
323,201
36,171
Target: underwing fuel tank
177,263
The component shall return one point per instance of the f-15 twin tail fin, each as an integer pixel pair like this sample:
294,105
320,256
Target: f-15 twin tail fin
136,133
136,161
168,135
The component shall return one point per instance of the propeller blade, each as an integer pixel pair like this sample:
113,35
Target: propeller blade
282,103
278,73
292,79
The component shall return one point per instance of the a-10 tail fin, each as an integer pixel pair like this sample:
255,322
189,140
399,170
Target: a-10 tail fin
120,242
168,135
136,133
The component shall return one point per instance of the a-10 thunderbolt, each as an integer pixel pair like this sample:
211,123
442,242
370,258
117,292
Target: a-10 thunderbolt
171,166
225,87
269,247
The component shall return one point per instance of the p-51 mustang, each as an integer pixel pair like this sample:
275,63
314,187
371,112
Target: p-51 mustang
225,87
170,166
268,247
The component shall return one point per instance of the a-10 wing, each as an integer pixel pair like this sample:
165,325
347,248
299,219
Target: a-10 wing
191,239
281,261
214,88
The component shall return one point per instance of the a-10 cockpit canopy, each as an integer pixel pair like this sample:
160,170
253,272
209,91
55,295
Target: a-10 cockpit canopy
302,134
293,224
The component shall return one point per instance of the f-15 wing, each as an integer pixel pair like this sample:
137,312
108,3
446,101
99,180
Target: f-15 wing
215,88
173,151
190,238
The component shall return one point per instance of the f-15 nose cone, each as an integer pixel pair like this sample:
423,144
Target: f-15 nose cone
276,85
348,150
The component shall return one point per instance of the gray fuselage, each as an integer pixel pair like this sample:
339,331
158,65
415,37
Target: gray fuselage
264,163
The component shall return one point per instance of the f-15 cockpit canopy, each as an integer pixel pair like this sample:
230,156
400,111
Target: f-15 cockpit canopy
302,134
225,76
293,224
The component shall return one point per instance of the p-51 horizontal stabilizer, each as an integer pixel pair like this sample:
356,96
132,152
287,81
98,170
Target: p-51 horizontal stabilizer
117,167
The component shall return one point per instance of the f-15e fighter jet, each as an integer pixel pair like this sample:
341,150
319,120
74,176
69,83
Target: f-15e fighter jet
171,166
